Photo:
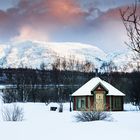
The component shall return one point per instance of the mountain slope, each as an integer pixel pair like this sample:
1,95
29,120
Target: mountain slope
125,61
32,53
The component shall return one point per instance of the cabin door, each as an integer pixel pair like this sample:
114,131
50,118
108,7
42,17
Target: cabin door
99,102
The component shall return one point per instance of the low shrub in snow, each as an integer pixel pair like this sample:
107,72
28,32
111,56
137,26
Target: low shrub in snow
12,113
92,116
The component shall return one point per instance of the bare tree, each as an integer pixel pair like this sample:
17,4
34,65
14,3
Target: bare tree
131,20
64,64
71,63
24,84
108,67
88,66
56,67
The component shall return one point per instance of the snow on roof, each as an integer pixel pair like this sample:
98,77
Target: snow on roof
86,89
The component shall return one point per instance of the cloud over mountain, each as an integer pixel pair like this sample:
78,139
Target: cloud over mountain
43,16
64,20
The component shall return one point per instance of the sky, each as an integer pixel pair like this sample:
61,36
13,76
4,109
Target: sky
95,22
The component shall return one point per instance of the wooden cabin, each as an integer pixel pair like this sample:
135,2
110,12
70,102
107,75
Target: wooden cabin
98,95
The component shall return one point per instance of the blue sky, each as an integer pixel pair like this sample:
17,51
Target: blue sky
94,22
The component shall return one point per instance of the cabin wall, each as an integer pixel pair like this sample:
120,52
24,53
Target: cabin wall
87,103
91,103
108,103
117,103
80,103
114,103
74,103
83,103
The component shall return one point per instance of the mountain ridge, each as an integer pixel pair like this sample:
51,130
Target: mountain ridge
32,54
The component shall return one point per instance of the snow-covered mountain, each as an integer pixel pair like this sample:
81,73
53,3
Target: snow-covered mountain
32,54
126,61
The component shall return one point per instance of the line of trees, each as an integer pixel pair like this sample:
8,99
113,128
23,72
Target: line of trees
55,85
32,84
41,85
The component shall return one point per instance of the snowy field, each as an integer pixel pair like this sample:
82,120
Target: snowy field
42,124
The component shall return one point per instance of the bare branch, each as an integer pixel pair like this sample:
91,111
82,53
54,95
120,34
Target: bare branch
131,20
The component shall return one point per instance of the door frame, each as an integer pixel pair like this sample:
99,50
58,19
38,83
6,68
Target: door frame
104,99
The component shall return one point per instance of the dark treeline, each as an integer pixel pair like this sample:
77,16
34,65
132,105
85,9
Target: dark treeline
56,85
41,85
128,83
42,77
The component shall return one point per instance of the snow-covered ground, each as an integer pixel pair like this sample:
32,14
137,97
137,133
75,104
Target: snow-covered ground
42,124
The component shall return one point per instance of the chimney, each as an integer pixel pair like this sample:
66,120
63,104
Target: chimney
96,72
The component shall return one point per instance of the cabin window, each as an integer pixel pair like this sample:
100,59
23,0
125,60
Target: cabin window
81,103
117,103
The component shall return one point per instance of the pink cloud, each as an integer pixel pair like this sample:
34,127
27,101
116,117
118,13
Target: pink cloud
42,16
28,33
61,20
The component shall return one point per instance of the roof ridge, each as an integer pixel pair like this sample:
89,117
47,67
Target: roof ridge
86,89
